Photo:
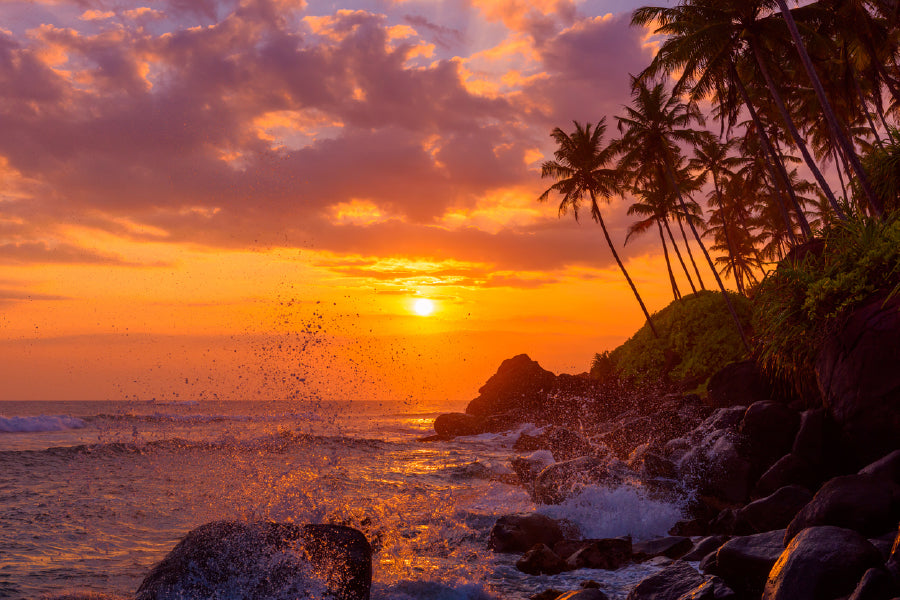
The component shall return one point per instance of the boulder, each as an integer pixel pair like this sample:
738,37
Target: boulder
671,583
272,561
887,467
670,547
609,554
876,584
457,424
520,384
519,533
857,373
562,443
768,430
772,512
790,469
705,546
744,562
565,479
527,468
541,560
586,594
864,503
821,563
737,384
711,589
818,442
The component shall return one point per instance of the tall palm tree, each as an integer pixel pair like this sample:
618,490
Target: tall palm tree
580,170
652,129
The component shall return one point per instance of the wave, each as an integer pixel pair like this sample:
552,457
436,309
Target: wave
198,419
39,423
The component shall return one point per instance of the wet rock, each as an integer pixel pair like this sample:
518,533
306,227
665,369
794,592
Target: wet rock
711,589
586,594
860,383
670,547
653,465
867,504
769,429
887,467
519,533
609,554
876,584
520,385
737,384
708,564
272,561
550,594
562,443
772,512
818,441
541,560
724,522
704,547
790,469
821,563
744,562
527,468
690,528
565,479
671,583
459,424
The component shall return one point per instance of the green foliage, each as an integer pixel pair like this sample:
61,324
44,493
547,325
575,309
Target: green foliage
883,167
805,298
697,337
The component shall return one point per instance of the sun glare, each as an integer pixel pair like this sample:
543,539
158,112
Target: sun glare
423,307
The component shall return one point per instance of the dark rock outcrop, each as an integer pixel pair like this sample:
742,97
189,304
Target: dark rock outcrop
586,594
541,560
772,512
520,384
738,384
860,383
887,467
863,503
821,563
274,561
876,584
744,562
610,553
562,443
565,479
790,469
768,430
519,533
670,547
671,583
459,424
705,546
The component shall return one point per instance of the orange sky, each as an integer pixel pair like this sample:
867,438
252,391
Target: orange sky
244,199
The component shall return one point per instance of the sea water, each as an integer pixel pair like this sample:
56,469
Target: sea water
92,494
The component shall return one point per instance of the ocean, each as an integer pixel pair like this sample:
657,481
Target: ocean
92,494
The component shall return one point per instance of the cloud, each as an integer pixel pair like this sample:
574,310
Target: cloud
41,252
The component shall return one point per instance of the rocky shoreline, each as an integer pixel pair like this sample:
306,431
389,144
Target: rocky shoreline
792,498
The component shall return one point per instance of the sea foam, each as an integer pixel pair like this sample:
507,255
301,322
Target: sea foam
39,423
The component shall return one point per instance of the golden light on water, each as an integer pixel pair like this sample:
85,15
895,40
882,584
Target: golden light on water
423,307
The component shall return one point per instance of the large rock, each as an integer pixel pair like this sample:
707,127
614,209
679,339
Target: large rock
265,561
876,584
821,563
562,443
744,562
705,546
887,467
541,560
858,375
519,533
672,546
711,589
864,503
818,442
772,512
671,583
790,469
769,429
737,384
609,553
562,480
588,594
520,384
454,424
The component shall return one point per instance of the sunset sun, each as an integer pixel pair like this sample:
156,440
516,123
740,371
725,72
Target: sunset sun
423,307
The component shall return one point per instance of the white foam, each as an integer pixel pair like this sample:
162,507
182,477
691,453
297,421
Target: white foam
39,423
602,512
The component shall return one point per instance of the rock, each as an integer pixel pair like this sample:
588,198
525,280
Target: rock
860,383
659,561
769,429
864,503
887,467
744,562
540,560
818,441
586,594
565,479
893,561
609,554
458,424
551,594
527,468
671,583
690,528
520,384
519,533
562,443
711,589
790,469
723,523
737,384
708,564
821,563
670,547
876,584
275,561
772,512
704,547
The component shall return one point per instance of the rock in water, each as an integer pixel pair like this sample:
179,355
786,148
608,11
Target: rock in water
519,533
263,561
520,384
671,583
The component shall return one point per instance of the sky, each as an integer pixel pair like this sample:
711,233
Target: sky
244,199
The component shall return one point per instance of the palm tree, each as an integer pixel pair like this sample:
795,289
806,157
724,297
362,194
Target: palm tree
581,169
652,130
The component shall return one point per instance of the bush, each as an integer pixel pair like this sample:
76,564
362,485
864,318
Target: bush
805,299
697,338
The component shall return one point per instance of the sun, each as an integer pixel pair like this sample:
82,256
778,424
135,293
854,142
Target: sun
423,307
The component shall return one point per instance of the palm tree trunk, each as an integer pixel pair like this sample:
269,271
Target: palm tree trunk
734,270
836,129
837,167
801,214
675,291
678,254
624,272
791,127
690,254
674,182
862,100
